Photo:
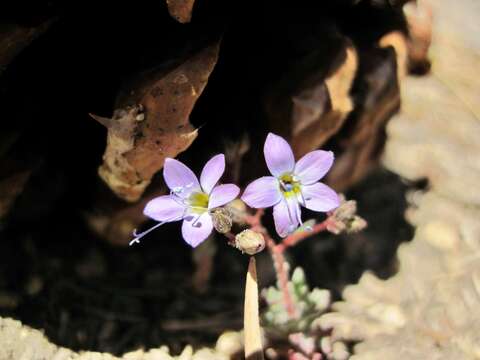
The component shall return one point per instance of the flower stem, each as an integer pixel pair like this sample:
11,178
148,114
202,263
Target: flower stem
295,238
281,271
277,250
280,265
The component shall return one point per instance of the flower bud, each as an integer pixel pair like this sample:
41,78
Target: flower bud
250,242
222,220
336,227
346,210
344,218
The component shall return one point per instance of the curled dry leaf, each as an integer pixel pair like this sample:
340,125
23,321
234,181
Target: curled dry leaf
319,106
181,10
419,18
398,41
152,124
314,108
362,138
319,112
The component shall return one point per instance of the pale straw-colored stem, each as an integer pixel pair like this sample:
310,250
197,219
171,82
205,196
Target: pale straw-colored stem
251,319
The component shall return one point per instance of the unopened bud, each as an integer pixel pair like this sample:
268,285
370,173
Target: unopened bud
336,227
250,242
346,210
344,218
222,220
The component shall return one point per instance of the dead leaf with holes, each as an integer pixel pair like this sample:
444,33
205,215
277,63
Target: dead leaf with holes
152,123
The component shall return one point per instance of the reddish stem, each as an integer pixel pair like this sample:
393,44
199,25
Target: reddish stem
282,274
295,238
277,250
255,221
230,237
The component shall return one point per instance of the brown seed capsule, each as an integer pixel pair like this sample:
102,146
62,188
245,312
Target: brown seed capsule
250,242
222,220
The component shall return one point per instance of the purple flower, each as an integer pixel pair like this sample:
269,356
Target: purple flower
191,200
292,184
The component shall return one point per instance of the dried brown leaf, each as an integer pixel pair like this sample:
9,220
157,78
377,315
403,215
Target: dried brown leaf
319,112
154,125
181,10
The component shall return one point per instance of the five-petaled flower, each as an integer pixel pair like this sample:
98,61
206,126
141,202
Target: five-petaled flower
191,200
292,184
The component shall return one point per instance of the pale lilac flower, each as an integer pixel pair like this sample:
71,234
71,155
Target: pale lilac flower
190,200
292,184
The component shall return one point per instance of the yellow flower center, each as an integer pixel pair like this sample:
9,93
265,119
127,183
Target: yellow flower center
289,185
198,202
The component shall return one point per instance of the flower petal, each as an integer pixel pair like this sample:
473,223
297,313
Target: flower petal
222,194
278,155
286,215
179,178
313,166
212,172
320,197
262,193
196,229
164,208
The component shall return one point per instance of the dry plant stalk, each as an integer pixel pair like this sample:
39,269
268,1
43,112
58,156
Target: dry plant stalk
251,319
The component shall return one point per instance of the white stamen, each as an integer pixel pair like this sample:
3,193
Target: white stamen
179,200
139,236
304,201
292,226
